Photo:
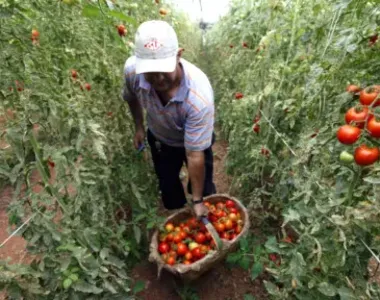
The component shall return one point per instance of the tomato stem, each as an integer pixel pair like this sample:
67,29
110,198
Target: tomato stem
353,184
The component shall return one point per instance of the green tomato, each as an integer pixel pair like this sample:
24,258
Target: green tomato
67,283
74,277
346,157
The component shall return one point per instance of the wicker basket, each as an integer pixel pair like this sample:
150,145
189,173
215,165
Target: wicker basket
196,269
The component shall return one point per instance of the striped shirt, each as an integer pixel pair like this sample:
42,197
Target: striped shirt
187,120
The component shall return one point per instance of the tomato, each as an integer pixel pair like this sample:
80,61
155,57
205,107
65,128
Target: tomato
121,30
212,244
197,253
353,88
193,223
256,128
171,261
365,156
373,127
288,240
74,74
229,224
183,235
169,237
172,253
220,205
163,12
35,34
188,255
233,236
200,238
186,228
164,256
208,236
169,227
162,237
231,46
213,218
238,216
220,227
238,96
368,95
182,249
238,229
87,86
233,217
205,249
233,210
177,238
212,208
265,152
177,229
51,163
218,213
356,116
346,157
193,245
225,236
373,39
182,225
163,247
245,45
230,204
348,134
187,262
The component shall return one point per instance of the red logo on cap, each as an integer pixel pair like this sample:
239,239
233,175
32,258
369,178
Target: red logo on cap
153,45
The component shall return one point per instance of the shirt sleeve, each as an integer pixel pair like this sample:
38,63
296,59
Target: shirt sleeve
128,81
199,127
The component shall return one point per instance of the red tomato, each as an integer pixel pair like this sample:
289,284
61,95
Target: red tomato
205,249
220,227
213,218
200,238
51,163
169,237
163,247
182,225
365,156
233,210
193,223
245,45
169,227
373,127
171,261
187,262
202,228
218,213
74,74
353,88
197,253
87,86
220,205
212,208
208,236
348,134
186,229
239,96
238,229
172,253
231,46
230,204
233,236
35,34
188,256
212,244
121,30
256,128
265,152
288,240
183,235
177,238
368,95
207,204
373,39
356,116
225,236
182,249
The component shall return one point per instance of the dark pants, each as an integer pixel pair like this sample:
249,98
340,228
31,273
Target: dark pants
168,162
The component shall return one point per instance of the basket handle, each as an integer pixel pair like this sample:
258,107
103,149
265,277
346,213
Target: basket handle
214,234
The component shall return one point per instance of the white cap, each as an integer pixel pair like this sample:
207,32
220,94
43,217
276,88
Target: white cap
156,47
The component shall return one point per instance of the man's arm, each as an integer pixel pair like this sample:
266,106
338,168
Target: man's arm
196,168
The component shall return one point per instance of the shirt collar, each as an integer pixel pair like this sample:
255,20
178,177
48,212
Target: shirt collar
183,88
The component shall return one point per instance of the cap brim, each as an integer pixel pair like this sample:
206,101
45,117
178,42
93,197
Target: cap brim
165,65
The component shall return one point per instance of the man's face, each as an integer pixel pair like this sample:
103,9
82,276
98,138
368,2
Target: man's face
161,82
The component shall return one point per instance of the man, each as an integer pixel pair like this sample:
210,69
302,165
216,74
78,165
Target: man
179,102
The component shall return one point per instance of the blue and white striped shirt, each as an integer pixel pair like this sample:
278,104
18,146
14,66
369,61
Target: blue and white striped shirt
187,120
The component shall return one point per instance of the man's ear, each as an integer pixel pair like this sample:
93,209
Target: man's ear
179,54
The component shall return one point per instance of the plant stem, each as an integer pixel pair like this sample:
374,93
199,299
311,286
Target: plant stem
352,186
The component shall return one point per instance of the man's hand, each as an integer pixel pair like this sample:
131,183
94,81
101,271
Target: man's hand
200,210
139,138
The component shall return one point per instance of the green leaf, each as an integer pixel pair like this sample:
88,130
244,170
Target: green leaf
256,270
139,287
327,289
137,194
92,239
137,231
233,258
91,11
345,293
74,277
268,88
123,17
109,287
249,297
84,287
271,245
244,262
271,288
373,180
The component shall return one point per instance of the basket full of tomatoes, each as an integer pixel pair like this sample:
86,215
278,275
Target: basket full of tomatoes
185,247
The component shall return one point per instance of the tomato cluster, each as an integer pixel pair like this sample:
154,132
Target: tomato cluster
190,241
361,119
